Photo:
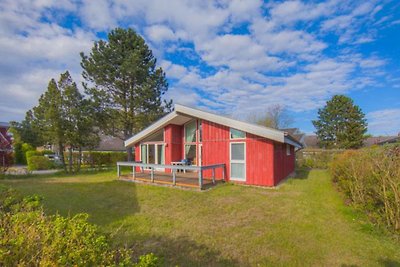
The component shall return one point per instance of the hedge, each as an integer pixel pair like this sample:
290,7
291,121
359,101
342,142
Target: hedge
29,237
39,163
370,178
97,159
315,158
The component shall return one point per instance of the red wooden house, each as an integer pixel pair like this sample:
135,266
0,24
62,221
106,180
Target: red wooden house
5,145
252,154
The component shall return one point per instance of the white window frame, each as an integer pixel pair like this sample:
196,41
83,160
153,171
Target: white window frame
156,152
240,138
288,150
237,161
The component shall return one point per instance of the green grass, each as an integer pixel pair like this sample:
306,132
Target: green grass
303,222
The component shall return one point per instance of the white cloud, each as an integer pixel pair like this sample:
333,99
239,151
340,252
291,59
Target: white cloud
384,122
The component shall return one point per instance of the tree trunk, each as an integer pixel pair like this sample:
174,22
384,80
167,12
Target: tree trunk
130,153
61,152
70,163
78,168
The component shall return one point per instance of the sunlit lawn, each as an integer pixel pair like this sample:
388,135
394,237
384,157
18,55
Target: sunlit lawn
303,222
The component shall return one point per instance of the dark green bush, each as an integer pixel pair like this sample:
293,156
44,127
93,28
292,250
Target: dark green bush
20,150
39,163
97,159
28,237
370,178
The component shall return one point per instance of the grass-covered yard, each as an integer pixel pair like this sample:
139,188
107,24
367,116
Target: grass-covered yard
303,222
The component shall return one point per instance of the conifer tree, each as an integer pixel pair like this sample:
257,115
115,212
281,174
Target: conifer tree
124,83
340,124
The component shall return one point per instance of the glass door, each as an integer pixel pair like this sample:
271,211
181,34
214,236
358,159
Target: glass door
238,161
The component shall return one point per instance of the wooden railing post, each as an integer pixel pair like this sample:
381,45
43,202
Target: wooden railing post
173,177
200,179
133,172
223,172
213,175
152,174
118,171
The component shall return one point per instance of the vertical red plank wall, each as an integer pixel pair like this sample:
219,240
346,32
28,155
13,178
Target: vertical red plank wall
215,147
259,161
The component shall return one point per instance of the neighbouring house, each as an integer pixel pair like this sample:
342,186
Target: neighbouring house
251,154
311,141
5,145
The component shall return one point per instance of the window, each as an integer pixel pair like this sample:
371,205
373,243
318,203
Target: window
236,134
200,131
238,161
156,137
288,152
190,132
152,153
190,153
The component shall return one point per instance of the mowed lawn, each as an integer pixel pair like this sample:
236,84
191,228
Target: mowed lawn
303,222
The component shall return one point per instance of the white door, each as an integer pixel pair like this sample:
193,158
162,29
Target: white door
238,161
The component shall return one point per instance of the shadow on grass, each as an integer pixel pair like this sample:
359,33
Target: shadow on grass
182,251
302,173
389,262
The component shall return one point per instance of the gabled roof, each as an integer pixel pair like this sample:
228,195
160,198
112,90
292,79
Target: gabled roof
183,114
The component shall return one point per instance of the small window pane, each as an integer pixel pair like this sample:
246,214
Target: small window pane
190,153
237,170
190,132
236,134
143,154
237,152
200,131
160,154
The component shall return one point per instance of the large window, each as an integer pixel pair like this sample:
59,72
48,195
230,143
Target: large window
190,132
236,134
238,161
152,153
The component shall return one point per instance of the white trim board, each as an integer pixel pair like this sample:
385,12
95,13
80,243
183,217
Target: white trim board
186,112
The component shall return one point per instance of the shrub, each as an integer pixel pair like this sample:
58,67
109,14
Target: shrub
39,163
315,158
20,150
371,179
28,237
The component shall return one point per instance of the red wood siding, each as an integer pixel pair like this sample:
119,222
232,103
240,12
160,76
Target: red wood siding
283,164
137,155
259,161
173,144
215,147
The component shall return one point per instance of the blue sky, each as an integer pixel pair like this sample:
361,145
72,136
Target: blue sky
231,57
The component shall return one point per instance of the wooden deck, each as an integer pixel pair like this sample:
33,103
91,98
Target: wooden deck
188,179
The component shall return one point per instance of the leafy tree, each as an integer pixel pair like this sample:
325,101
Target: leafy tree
127,86
276,116
340,124
65,119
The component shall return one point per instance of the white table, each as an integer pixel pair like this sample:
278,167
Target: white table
179,163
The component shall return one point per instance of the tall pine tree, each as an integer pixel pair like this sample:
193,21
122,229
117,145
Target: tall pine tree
124,83
340,124
65,119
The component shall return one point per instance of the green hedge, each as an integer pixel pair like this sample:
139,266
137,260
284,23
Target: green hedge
29,237
370,178
39,163
20,150
96,159
315,158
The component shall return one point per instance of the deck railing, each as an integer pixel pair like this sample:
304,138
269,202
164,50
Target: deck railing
174,169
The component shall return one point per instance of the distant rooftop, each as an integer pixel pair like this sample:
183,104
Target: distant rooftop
4,124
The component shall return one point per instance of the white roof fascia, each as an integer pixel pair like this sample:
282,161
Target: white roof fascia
152,128
269,133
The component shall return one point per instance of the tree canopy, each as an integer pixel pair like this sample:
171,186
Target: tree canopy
124,83
340,124
275,116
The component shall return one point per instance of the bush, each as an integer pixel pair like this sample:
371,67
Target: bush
315,158
28,237
39,163
370,178
20,150
96,159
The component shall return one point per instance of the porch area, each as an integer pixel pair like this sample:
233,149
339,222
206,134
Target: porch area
173,175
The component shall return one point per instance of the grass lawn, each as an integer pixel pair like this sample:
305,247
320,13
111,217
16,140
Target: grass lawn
303,222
